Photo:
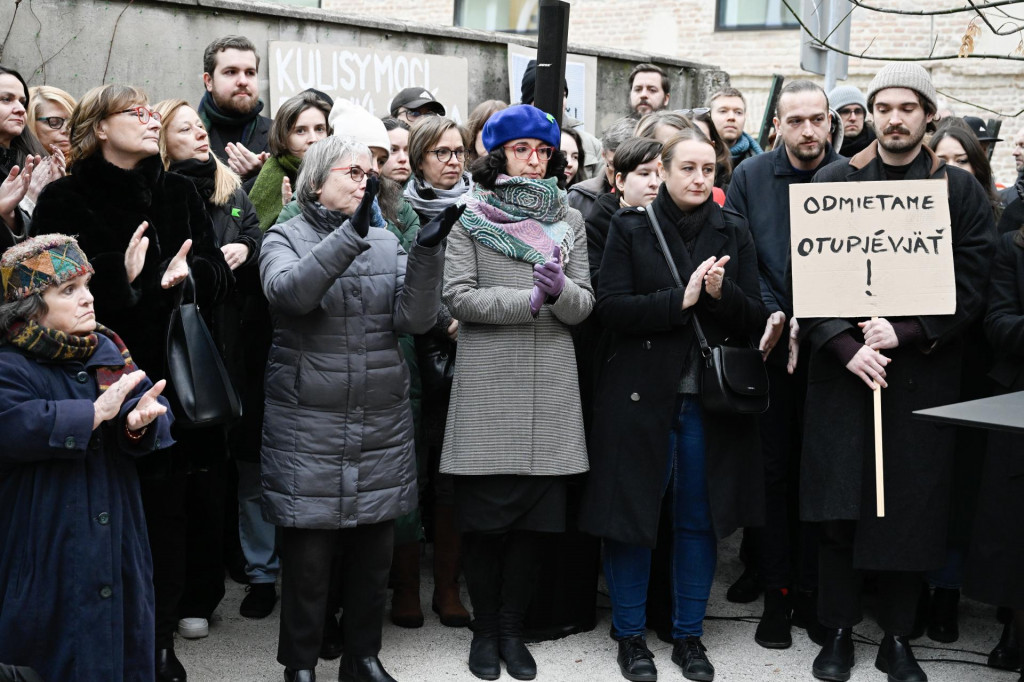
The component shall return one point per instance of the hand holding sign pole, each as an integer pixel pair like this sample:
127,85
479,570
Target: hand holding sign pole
846,266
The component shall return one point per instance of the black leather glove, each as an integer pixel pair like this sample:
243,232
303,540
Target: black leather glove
437,229
361,218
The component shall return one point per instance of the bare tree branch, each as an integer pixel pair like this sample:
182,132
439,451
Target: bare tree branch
978,106
934,12
864,54
114,33
1014,27
14,15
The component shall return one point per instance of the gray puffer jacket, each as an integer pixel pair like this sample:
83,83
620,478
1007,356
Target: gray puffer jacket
338,431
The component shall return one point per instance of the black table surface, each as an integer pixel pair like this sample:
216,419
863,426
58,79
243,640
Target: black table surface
1000,413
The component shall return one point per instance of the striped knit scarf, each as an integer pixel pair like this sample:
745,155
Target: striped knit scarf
521,218
50,344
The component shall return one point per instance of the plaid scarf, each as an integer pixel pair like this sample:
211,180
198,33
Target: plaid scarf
521,218
50,344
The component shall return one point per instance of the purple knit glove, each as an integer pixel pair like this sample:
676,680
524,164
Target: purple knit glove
536,300
549,276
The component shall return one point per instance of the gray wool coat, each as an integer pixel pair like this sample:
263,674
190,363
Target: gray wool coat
515,404
338,431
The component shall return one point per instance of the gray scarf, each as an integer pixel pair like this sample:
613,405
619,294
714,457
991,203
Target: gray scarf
428,200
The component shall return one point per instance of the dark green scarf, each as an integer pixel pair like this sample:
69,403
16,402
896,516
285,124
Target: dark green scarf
211,115
266,191
50,344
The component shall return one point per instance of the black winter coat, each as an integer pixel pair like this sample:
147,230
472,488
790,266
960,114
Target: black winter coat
651,338
837,469
996,560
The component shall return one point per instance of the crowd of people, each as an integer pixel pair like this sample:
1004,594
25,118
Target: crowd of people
484,336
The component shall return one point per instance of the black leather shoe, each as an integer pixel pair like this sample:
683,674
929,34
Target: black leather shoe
897,660
747,588
1006,654
484,660
690,654
519,661
636,661
168,667
332,645
835,660
942,623
363,669
299,675
773,630
259,601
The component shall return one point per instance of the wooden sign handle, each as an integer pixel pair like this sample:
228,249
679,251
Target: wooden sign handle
879,476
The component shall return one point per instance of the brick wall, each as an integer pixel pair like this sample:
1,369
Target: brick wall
686,29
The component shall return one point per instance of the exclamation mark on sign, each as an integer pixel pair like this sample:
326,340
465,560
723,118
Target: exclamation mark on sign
868,292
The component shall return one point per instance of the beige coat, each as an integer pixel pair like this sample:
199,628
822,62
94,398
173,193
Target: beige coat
515,405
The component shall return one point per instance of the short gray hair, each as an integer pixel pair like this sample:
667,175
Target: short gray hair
617,133
32,307
318,161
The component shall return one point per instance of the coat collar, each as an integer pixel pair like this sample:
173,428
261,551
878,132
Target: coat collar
110,182
869,162
709,241
781,165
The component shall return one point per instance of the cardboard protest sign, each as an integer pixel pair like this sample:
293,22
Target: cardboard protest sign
867,249
370,77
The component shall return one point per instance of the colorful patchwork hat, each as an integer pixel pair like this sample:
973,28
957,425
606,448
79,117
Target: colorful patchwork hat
40,262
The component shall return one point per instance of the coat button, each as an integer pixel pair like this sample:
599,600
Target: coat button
106,592
635,397
82,377
103,518
647,345
69,443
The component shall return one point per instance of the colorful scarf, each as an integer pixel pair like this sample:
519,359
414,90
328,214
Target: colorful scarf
521,218
266,191
50,344
745,144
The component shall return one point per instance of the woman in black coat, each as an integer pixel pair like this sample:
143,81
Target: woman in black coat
996,560
650,434
144,231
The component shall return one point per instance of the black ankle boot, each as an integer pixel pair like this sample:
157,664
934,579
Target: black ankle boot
168,667
897,660
691,656
299,675
805,614
484,662
942,622
773,630
1006,654
747,588
362,669
519,661
835,660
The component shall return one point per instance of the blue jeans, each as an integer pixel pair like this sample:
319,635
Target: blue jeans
258,537
627,568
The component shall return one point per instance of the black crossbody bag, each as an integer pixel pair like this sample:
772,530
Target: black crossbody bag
733,379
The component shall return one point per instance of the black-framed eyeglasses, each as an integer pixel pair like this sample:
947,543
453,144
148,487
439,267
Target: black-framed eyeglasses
144,114
851,111
523,152
53,122
444,154
356,173
699,111
413,114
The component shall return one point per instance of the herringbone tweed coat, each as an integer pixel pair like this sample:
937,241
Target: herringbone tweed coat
515,405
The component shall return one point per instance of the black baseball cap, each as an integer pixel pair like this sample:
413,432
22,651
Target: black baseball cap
414,98
981,130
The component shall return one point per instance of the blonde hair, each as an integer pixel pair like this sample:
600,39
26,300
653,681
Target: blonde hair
225,180
96,105
38,94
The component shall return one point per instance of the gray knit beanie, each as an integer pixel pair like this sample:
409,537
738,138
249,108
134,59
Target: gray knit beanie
845,95
904,75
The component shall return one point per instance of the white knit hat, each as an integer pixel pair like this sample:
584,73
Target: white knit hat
904,75
351,120
845,95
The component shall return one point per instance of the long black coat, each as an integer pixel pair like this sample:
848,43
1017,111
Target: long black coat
651,337
996,560
837,469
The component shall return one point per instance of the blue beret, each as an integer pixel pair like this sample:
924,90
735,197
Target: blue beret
522,120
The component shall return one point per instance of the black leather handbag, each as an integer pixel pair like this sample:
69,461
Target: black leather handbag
436,361
202,394
733,379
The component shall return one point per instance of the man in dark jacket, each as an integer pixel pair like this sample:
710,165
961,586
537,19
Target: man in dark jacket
849,358
849,103
760,192
231,105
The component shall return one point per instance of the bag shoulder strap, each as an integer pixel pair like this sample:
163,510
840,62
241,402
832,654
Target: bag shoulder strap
705,349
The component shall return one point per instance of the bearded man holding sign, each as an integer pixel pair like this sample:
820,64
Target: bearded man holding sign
915,361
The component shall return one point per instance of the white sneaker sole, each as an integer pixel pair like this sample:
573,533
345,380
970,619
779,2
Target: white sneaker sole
194,632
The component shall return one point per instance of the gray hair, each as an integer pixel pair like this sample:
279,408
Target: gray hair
648,125
318,161
32,307
617,133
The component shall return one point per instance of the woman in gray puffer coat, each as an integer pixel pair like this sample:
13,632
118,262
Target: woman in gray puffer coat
337,460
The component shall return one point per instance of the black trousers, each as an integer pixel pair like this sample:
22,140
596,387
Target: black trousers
784,549
364,554
501,570
841,585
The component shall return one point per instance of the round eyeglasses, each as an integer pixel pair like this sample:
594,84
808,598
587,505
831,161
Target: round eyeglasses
444,154
355,172
144,114
523,152
53,122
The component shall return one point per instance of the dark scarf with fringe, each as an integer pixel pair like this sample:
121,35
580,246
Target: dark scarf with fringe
49,344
